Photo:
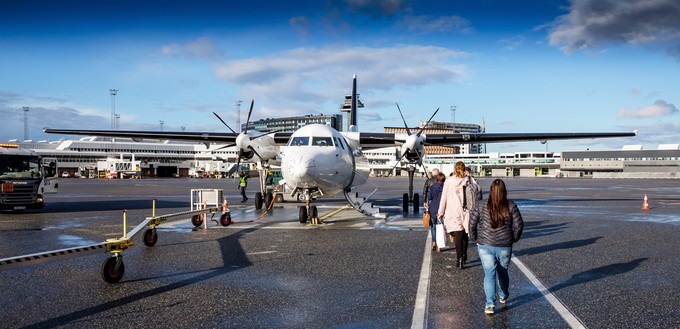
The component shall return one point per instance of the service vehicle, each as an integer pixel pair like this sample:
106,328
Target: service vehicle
25,178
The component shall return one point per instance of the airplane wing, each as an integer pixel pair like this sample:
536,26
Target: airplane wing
378,140
280,138
366,140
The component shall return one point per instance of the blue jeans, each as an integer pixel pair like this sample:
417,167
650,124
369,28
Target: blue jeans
495,261
433,226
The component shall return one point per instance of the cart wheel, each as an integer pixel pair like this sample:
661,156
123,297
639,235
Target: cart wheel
279,198
197,220
150,237
225,219
109,272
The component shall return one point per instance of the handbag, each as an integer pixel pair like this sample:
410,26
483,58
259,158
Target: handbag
426,219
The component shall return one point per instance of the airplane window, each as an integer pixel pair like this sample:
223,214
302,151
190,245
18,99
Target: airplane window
339,142
299,141
322,141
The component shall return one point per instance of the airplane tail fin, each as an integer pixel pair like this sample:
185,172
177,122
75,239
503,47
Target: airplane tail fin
353,108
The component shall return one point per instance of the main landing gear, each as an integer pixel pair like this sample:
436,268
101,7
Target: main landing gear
410,197
265,199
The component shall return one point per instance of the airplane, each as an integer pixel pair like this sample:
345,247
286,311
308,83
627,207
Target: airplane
319,161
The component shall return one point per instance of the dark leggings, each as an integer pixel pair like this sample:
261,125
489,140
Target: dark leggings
461,243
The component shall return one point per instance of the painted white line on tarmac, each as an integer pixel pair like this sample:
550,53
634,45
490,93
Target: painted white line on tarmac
420,308
562,310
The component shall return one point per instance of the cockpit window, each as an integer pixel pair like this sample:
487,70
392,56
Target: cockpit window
338,142
299,141
322,141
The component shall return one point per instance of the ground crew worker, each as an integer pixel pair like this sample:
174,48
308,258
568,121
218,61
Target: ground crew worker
242,184
269,180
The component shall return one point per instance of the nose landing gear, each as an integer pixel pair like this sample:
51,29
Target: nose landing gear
308,212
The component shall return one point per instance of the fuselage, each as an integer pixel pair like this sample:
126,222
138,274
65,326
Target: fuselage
318,161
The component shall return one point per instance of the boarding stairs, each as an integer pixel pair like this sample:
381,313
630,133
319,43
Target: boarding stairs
361,205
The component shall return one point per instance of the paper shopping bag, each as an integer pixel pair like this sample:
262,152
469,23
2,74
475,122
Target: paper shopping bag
441,236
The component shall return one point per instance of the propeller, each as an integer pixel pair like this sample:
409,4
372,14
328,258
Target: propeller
414,142
243,140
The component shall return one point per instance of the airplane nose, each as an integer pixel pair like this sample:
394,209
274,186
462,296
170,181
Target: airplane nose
303,167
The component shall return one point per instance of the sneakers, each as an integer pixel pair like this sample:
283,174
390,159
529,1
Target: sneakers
503,300
488,310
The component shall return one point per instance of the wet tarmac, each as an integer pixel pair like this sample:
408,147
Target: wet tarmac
604,262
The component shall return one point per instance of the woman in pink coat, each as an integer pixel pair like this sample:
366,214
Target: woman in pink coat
451,212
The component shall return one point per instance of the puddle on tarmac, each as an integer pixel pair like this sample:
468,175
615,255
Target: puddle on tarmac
74,241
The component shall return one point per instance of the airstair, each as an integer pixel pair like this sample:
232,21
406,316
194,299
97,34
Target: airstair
361,205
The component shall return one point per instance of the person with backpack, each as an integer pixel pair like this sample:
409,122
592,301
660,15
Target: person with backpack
495,226
451,211
472,191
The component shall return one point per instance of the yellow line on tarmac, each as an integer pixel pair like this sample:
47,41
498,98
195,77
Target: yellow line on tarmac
332,213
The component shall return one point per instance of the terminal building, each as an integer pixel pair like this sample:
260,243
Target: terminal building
98,157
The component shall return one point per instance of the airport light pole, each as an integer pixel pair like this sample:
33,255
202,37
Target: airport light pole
25,109
113,93
453,114
238,120
117,125
162,123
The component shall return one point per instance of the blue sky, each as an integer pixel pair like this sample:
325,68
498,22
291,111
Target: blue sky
518,66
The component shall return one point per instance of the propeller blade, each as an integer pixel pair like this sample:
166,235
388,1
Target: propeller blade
428,122
408,131
399,161
232,130
224,147
252,102
271,132
238,161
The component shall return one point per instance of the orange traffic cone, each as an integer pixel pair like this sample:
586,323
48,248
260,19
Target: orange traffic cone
645,204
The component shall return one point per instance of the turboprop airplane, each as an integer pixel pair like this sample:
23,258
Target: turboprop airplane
318,161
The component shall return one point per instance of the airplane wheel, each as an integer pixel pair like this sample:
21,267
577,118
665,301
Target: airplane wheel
150,237
303,214
225,219
416,202
300,197
313,212
109,272
197,220
268,200
258,200
405,202
279,198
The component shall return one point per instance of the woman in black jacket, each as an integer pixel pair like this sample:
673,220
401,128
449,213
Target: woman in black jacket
495,226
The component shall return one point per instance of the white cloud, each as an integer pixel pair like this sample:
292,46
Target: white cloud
202,47
596,23
308,77
659,108
427,24
300,24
